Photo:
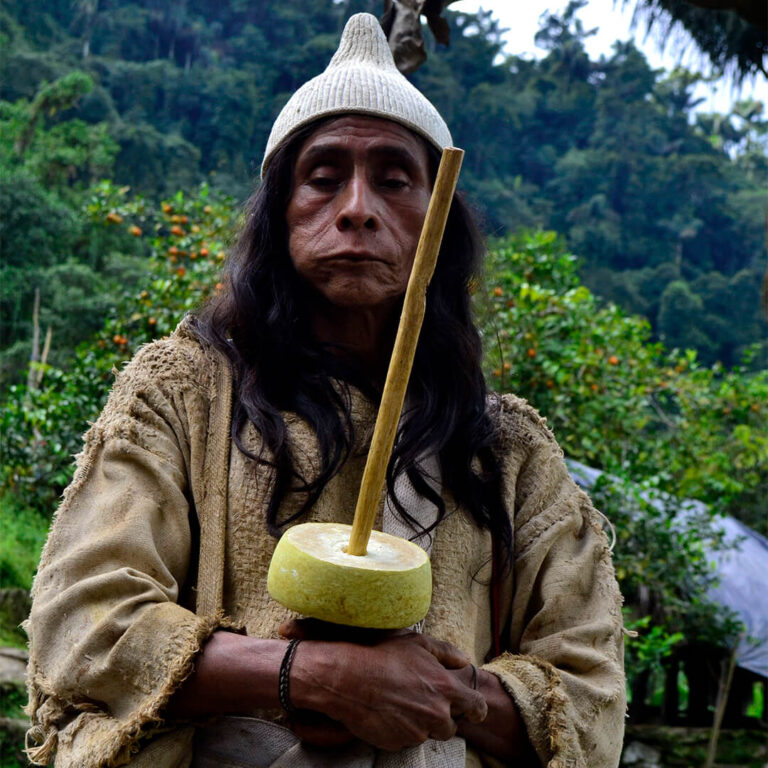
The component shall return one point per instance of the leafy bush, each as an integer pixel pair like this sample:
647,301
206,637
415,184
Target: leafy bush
614,399
24,531
42,426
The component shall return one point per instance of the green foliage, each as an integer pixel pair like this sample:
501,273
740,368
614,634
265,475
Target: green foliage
587,367
732,35
664,428
160,96
37,231
46,163
757,706
24,533
58,153
11,740
662,557
14,701
614,398
646,651
42,426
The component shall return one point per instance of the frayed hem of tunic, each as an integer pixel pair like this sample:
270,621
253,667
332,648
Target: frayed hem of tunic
547,727
106,741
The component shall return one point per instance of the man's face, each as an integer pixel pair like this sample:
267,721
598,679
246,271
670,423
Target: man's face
361,187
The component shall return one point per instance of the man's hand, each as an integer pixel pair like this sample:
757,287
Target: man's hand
392,690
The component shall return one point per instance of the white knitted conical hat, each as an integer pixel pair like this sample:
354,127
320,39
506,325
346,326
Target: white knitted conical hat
362,79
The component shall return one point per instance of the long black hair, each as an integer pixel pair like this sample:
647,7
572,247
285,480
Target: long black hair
259,322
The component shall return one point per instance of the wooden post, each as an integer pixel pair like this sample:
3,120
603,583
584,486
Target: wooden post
722,699
44,357
35,355
404,351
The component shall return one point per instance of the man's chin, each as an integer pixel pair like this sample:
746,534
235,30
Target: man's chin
357,297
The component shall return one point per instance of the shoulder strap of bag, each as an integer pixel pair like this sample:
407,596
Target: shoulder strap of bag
212,508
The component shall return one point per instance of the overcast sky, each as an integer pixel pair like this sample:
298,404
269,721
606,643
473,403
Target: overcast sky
613,22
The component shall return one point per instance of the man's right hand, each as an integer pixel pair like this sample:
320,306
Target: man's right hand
392,694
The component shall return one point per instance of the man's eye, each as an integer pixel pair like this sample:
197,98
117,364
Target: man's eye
395,182
323,181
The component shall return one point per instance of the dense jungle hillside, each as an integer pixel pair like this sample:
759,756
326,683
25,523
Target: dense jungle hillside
666,208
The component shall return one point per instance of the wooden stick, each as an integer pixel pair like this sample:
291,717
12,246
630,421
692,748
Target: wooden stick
726,678
35,356
405,348
44,357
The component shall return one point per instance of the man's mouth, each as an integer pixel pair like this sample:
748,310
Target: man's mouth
355,256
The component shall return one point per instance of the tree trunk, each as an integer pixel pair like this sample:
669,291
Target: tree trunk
35,355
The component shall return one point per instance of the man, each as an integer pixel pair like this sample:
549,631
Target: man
134,633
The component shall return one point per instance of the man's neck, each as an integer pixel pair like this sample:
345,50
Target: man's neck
366,336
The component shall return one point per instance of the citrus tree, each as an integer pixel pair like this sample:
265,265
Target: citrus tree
187,238
614,398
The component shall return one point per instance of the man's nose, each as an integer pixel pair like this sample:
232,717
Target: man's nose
357,206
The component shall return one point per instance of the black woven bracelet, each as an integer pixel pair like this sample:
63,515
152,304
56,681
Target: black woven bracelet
283,681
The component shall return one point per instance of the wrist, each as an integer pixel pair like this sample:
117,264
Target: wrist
312,673
284,677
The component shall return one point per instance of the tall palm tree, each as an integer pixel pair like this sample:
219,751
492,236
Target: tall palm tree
733,34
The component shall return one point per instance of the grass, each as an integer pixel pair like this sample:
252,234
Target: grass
24,532
23,536
12,699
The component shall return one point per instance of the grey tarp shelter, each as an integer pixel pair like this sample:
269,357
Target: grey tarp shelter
742,573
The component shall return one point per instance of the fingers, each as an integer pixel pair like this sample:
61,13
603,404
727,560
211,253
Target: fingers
392,692
446,653
475,707
471,705
315,629
444,730
465,700
301,629
321,732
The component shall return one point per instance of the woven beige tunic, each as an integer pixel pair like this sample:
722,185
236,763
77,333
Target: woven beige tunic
113,631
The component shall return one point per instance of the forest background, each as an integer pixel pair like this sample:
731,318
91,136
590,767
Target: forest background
621,295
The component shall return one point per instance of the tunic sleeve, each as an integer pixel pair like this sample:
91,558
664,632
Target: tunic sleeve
564,665
109,641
